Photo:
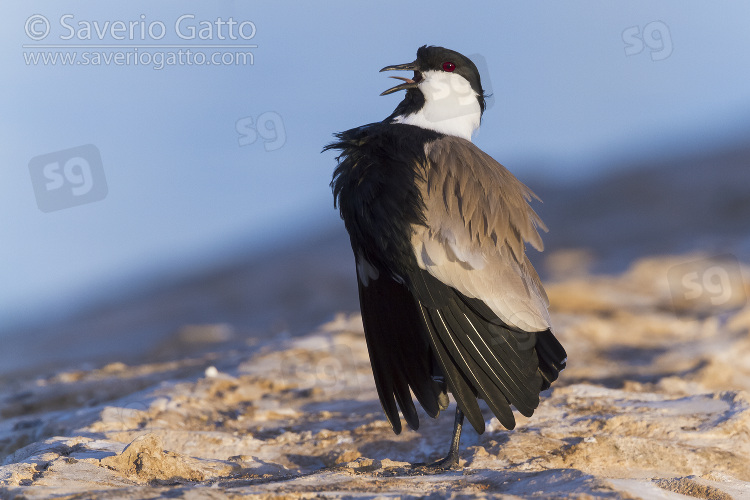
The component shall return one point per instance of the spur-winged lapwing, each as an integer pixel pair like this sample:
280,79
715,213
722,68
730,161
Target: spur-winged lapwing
449,299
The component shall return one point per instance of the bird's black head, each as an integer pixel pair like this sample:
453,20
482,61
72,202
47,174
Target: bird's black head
438,73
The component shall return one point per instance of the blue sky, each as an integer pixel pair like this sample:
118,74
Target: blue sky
203,160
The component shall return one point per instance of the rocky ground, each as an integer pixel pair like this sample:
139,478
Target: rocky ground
655,403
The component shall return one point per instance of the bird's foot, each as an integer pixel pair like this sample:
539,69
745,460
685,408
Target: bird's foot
444,464
450,462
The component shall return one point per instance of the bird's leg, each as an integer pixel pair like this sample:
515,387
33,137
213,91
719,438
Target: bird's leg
451,459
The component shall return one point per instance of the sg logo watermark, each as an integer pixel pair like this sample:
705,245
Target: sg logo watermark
707,284
68,178
269,126
655,35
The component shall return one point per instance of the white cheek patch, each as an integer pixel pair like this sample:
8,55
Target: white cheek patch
451,105
448,96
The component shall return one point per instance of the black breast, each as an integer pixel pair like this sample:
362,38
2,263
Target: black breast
375,188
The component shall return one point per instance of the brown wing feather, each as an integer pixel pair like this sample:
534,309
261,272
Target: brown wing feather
478,218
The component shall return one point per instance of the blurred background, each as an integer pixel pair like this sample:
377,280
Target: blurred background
162,181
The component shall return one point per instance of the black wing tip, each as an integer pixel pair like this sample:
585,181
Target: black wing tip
552,357
401,364
395,424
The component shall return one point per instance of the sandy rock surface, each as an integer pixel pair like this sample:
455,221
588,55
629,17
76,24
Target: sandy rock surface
655,403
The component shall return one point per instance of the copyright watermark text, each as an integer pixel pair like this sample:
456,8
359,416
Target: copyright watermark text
185,40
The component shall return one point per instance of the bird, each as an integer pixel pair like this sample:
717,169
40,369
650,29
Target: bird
449,300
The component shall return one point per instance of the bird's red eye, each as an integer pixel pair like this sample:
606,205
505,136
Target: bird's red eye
448,66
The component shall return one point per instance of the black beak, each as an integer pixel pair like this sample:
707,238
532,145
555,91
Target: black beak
408,82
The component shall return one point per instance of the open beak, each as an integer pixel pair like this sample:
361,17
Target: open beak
409,83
